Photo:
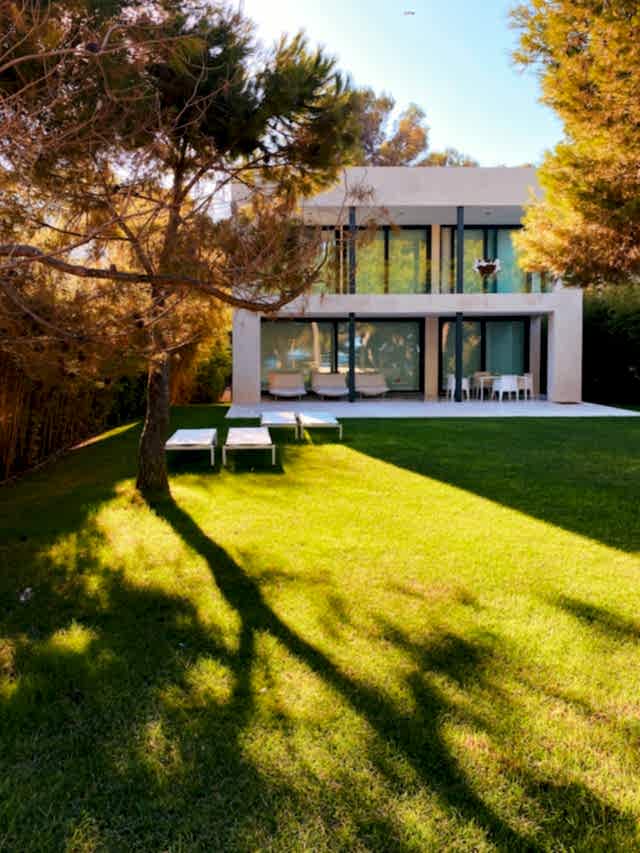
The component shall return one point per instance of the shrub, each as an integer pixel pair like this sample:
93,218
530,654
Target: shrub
212,375
611,364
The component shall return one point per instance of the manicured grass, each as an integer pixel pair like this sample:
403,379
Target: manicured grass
424,638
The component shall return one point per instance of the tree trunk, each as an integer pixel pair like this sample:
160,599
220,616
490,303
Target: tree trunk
152,466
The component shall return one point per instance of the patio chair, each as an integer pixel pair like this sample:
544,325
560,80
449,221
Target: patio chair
506,384
451,386
525,384
371,384
289,384
329,384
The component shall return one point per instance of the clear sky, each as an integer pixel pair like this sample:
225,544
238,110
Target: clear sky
452,57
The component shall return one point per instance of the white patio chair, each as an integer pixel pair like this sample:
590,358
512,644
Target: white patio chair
371,384
329,384
451,386
525,384
289,384
506,384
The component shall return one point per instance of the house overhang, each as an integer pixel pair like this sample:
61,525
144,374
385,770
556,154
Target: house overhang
427,196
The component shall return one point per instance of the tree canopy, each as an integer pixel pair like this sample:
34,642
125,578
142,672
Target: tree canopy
404,142
135,121
587,54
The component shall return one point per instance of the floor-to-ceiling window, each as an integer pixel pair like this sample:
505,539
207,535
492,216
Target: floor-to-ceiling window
388,260
370,261
302,345
390,347
486,243
471,348
504,344
409,260
497,345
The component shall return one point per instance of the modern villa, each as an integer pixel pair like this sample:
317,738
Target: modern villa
402,297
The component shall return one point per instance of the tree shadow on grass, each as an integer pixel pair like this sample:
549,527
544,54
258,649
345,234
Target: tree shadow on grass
603,620
110,730
418,738
578,474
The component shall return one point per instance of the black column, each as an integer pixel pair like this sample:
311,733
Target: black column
352,250
459,289
352,357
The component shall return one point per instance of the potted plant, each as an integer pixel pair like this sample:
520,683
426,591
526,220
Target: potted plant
486,267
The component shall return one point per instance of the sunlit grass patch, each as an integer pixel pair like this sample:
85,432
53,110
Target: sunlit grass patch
423,638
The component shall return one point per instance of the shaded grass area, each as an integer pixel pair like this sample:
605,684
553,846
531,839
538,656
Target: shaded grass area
424,638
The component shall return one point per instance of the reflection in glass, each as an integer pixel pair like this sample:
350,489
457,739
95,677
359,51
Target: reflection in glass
471,348
490,243
408,266
370,265
330,278
389,347
296,345
505,346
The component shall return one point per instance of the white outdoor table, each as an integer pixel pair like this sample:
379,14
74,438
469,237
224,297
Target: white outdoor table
484,381
194,439
318,420
248,438
279,420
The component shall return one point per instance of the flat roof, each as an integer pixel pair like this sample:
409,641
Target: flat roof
431,186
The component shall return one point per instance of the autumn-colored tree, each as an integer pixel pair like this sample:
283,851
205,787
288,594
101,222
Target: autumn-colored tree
384,144
448,157
587,54
404,142
119,187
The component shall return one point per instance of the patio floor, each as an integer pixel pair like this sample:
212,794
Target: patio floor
434,409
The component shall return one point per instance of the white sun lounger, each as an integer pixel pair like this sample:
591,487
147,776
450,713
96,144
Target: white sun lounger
280,420
248,438
194,439
318,420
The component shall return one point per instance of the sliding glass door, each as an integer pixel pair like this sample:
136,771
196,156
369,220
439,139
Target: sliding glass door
390,347
297,345
497,346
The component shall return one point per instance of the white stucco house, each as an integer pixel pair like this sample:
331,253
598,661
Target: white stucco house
407,302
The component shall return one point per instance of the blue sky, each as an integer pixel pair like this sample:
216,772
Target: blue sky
452,57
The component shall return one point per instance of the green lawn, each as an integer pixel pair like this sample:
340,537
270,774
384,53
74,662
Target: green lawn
424,638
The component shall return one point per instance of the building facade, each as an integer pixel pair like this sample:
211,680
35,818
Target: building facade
399,293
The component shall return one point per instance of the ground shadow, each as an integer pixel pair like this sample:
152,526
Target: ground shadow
579,474
605,621
418,738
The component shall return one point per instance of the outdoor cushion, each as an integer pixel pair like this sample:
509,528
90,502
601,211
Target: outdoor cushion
371,384
329,384
287,384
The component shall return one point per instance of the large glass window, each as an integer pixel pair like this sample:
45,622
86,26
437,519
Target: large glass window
485,243
331,276
389,347
296,345
471,348
505,346
408,262
370,263
497,346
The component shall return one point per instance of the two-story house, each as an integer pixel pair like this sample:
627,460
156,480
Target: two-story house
407,301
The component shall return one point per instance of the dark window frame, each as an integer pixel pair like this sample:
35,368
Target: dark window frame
335,320
483,320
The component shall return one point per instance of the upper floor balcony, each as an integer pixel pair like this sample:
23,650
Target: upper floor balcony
408,230
419,259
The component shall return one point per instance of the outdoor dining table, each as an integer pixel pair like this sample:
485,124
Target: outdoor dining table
482,381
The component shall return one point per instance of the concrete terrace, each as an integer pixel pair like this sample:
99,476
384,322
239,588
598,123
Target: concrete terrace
434,409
